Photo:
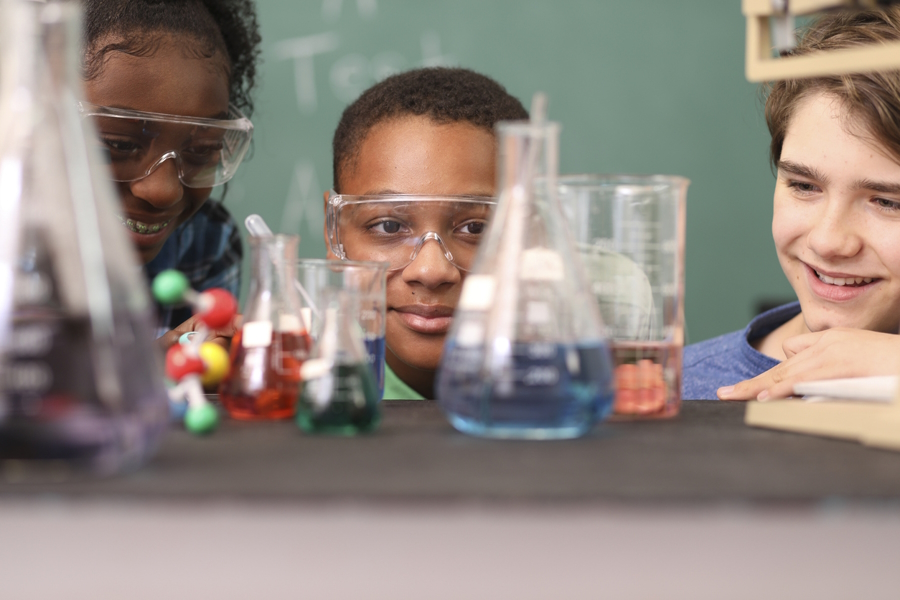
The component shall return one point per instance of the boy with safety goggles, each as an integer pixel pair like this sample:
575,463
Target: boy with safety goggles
165,83
414,179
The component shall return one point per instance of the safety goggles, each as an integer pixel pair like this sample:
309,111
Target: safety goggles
395,228
206,152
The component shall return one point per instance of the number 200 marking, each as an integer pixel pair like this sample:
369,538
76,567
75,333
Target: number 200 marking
545,375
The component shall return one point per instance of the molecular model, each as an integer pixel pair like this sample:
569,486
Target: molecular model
194,362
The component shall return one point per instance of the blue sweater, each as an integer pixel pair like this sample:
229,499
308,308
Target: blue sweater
729,359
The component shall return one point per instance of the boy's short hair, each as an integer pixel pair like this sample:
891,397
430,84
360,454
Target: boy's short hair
872,100
445,95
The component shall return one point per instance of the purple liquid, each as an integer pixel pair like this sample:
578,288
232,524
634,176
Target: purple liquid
53,410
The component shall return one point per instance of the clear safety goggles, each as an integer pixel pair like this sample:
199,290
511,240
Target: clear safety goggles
395,228
206,152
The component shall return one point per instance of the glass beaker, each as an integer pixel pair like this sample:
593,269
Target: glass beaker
339,392
366,281
81,383
269,349
629,232
525,356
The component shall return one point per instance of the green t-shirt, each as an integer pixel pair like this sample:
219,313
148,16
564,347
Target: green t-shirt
396,389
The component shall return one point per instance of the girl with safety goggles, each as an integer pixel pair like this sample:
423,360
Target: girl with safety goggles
166,82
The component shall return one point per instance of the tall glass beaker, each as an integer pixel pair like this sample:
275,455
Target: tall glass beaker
81,384
629,233
526,357
268,351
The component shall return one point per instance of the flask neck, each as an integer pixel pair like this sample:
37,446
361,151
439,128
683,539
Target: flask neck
529,156
526,181
272,277
341,340
40,50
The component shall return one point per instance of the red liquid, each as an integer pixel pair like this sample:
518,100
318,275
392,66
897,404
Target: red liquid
648,379
264,383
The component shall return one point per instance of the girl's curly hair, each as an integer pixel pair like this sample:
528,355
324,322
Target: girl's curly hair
133,27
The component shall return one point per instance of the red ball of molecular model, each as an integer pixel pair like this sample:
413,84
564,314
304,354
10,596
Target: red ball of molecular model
194,362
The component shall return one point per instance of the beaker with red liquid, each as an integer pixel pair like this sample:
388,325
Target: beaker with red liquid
629,233
271,346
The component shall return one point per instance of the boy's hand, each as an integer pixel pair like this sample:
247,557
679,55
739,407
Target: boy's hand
221,336
830,354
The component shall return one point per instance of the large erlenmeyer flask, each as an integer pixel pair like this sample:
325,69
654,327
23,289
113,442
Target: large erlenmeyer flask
526,356
81,383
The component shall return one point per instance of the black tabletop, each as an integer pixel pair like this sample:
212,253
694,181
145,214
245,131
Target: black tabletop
705,454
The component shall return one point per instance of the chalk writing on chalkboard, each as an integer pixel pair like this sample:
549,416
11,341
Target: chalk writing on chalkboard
302,50
331,9
349,73
353,72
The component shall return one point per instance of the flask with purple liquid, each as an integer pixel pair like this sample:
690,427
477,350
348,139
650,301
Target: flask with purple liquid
81,383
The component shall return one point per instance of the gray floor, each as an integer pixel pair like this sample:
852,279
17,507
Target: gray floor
223,551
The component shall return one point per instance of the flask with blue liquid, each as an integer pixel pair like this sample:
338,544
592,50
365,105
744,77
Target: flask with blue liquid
526,356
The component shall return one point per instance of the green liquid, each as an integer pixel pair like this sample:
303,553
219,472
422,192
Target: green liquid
344,402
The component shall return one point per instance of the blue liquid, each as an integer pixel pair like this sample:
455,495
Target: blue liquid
547,391
375,350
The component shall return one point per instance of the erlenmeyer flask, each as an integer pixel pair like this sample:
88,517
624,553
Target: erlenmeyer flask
268,351
339,394
81,385
526,357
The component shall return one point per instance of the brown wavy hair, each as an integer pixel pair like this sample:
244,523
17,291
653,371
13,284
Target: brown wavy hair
871,100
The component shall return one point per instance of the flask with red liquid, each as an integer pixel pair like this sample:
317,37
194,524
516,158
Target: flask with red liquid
269,349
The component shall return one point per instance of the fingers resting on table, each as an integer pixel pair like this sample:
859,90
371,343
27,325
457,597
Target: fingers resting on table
831,354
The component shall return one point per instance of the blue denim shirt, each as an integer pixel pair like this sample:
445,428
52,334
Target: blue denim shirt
729,359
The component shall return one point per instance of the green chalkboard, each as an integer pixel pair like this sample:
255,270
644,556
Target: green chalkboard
642,86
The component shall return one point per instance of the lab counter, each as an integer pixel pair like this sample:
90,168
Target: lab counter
706,455
418,509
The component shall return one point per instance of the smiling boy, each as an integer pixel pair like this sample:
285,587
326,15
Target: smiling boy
836,227
426,137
